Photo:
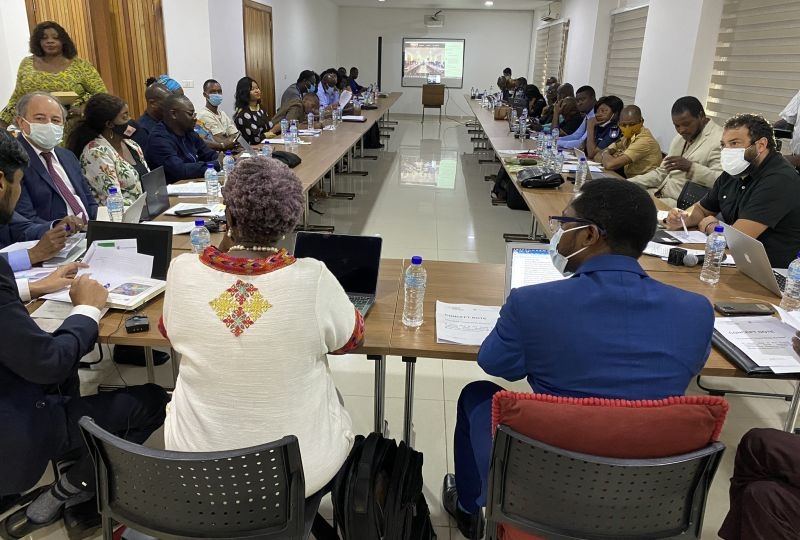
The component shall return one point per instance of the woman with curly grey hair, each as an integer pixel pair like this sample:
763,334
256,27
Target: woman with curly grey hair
253,327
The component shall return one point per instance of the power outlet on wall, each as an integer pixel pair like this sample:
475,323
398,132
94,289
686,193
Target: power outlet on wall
188,83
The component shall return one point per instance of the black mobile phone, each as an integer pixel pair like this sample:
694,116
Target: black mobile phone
192,211
732,309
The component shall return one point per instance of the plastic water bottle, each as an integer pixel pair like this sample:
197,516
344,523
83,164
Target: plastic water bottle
514,119
293,135
554,138
284,128
523,124
212,185
266,149
547,140
200,237
115,205
715,252
228,163
416,278
540,143
791,293
559,162
581,173
310,119
548,158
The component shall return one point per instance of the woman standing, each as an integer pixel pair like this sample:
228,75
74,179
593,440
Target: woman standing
108,157
251,120
53,67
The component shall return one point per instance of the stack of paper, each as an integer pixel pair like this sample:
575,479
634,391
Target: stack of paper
189,189
464,324
310,132
767,341
178,227
353,118
662,250
76,244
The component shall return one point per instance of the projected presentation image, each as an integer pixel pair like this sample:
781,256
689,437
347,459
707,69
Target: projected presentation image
423,59
433,60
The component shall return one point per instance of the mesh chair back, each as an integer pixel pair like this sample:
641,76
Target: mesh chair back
560,494
253,492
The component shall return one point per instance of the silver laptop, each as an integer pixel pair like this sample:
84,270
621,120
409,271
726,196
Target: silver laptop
245,145
133,213
751,260
528,263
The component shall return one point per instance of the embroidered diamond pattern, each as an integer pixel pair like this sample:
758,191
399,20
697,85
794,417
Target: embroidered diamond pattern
240,306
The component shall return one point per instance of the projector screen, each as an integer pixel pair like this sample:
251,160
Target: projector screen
438,59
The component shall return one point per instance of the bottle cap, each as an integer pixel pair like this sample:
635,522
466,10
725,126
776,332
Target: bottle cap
227,152
112,191
582,159
416,259
209,166
199,223
719,228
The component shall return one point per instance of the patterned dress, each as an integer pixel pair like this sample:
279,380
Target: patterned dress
251,124
80,77
103,168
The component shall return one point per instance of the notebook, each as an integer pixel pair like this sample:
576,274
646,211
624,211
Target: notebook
354,260
528,263
751,260
154,185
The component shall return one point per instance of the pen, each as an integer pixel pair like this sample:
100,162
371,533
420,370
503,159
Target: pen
685,231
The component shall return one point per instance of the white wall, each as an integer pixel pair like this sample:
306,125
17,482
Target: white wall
188,43
14,37
494,40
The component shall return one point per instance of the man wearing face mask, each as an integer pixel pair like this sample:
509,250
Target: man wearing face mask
327,92
693,154
54,186
306,83
758,193
216,121
637,152
609,331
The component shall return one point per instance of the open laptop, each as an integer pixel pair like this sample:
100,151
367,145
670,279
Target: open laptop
133,213
528,263
354,260
155,240
751,260
154,185
245,145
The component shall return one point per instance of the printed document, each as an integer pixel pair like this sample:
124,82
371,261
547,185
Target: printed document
465,324
767,341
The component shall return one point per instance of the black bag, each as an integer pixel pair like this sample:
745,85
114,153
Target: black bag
535,177
378,493
504,190
690,194
289,158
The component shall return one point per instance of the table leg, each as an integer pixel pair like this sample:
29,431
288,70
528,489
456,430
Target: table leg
305,225
380,392
361,154
791,418
408,410
335,194
533,236
149,364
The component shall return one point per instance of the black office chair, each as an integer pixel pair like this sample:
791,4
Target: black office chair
562,495
255,492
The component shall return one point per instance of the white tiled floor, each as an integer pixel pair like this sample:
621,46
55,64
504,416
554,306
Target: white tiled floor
452,219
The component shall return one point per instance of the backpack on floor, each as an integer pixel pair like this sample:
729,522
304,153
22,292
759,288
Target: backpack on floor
378,493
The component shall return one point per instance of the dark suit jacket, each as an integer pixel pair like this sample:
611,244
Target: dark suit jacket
182,157
33,419
21,229
40,200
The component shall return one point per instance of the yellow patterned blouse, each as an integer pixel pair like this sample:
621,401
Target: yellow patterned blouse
80,77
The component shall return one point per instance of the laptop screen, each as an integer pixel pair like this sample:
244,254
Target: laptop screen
154,185
354,260
528,264
155,240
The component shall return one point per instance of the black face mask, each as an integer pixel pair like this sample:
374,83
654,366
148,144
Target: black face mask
120,129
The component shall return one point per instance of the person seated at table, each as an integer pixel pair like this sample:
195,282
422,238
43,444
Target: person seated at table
551,96
518,99
108,157
175,146
54,186
693,154
603,129
251,295
306,82
155,94
171,84
645,348
251,120
757,193
567,118
215,121
296,109
536,101
40,403
765,487
586,99
343,81
327,91
637,152
354,86
506,84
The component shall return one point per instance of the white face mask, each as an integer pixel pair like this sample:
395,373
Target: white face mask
733,161
560,261
46,136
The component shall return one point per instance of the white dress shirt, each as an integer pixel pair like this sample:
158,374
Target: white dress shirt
63,174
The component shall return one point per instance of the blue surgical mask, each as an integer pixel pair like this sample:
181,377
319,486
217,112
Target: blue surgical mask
560,261
312,88
215,99
46,136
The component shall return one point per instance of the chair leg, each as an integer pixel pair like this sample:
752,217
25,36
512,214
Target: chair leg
108,528
322,530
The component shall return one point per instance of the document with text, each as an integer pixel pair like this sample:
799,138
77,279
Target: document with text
767,341
464,324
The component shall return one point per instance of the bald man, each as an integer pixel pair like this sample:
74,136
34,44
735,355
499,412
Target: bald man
155,95
637,151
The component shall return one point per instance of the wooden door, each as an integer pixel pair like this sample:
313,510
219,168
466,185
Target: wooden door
73,15
258,51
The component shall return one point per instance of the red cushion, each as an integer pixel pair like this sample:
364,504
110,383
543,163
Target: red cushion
611,427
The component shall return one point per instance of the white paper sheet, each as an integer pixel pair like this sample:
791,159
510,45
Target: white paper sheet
52,309
464,324
766,340
197,189
662,250
572,167
353,118
281,141
690,237
178,227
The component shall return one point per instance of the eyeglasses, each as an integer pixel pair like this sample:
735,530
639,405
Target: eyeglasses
557,221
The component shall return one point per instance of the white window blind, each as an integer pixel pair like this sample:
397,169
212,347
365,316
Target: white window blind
551,42
757,63
625,53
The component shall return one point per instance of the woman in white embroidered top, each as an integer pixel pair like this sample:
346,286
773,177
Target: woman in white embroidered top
253,327
109,158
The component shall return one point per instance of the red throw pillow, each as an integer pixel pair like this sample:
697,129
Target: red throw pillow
613,428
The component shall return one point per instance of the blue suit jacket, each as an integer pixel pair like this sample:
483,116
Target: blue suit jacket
609,331
21,229
182,157
38,374
40,200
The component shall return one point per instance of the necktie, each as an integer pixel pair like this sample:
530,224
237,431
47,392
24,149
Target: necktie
69,198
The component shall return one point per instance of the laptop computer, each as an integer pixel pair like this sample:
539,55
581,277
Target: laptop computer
246,145
154,185
528,263
133,213
354,260
155,240
751,260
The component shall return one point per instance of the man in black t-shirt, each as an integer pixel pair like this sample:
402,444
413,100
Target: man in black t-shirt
758,194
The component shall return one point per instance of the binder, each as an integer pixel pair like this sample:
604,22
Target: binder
738,358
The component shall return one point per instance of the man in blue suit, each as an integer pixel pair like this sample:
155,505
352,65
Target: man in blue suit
609,331
40,404
54,186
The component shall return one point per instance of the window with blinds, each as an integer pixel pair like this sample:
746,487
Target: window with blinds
551,42
625,53
757,63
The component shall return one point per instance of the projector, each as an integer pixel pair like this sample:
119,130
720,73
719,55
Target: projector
434,21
